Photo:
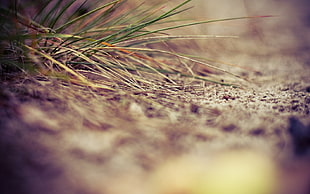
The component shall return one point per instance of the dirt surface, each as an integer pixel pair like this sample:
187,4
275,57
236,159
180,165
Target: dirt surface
62,138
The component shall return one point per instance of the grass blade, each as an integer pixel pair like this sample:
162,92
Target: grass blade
62,27
190,24
60,14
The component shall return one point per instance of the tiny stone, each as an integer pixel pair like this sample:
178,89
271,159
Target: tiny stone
257,132
229,128
194,108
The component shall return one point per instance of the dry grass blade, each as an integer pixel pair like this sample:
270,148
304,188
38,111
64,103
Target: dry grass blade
69,70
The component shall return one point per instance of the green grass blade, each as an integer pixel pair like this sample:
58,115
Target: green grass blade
50,13
62,27
40,12
189,24
130,30
122,34
60,14
94,21
77,11
156,39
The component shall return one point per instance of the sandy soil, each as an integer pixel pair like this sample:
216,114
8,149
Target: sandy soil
62,138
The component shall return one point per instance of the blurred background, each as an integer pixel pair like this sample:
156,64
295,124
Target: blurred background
288,30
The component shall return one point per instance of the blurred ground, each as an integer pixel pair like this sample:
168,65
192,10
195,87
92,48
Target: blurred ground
62,138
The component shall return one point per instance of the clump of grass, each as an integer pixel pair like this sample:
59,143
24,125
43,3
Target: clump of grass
100,48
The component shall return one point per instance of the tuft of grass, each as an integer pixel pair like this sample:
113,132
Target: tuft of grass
100,48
